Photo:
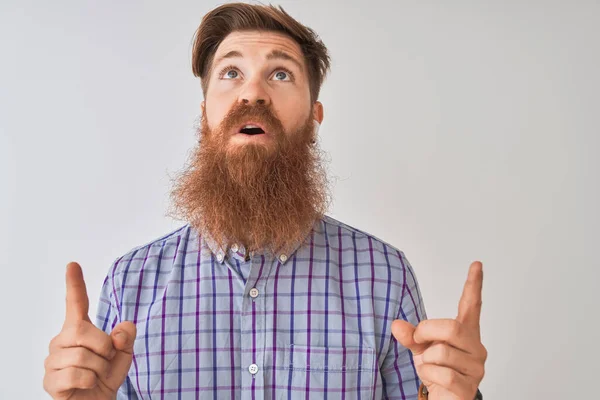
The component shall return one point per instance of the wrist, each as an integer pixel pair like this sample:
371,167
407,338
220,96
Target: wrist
424,393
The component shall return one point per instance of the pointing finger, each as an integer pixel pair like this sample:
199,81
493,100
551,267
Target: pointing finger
77,299
469,307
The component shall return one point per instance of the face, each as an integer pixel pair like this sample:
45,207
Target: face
261,189
259,68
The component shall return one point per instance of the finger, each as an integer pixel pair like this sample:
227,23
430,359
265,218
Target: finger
77,299
448,379
445,330
403,331
78,357
123,339
451,357
69,379
123,336
84,334
469,306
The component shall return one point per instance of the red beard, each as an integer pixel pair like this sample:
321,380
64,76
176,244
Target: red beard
265,195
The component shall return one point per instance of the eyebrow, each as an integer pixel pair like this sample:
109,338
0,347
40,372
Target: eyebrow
273,55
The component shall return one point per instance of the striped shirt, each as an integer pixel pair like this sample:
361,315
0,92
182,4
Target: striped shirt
217,323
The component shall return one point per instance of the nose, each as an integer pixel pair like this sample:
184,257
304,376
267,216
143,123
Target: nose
258,101
254,93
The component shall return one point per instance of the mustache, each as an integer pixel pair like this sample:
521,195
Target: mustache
261,113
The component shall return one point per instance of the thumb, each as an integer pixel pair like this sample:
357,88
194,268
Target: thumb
404,332
123,337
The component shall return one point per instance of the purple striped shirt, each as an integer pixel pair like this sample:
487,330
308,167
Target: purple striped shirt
218,323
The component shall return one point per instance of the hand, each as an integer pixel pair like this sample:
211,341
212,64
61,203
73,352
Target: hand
448,353
85,362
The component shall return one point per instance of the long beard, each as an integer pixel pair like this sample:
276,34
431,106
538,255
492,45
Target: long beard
266,196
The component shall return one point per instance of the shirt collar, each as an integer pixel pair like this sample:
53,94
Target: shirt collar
220,252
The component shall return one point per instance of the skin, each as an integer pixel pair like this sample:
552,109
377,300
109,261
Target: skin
256,78
85,362
448,353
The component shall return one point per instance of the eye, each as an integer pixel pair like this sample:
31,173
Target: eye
283,74
229,72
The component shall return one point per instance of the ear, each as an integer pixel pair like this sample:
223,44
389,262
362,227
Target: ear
318,112
202,107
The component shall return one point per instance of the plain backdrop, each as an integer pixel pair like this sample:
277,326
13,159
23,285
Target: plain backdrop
456,131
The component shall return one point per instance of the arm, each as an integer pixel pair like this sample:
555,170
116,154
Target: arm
107,317
399,375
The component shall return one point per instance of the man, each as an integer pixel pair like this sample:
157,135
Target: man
261,295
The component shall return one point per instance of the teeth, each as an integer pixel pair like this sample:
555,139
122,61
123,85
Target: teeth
250,126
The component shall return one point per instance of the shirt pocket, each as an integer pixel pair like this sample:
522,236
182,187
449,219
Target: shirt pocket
341,372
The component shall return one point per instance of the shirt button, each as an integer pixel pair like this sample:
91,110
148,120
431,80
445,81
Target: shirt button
283,258
253,369
220,257
254,292
234,247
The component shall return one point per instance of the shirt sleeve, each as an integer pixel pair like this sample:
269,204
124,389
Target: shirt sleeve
107,316
399,375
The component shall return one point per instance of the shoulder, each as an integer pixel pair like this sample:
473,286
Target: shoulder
158,250
385,267
366,246
351,237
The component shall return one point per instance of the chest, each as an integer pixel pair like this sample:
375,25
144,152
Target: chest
260,330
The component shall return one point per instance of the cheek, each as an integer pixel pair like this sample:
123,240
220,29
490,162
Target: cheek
215,112
295,121
292,113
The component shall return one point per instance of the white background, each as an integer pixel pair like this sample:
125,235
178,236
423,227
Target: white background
457,131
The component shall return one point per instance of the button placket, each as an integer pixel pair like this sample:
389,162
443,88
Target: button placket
253,358
257,301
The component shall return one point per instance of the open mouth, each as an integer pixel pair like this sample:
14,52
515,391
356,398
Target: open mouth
251,130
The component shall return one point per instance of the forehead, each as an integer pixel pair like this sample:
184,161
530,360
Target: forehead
259,43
